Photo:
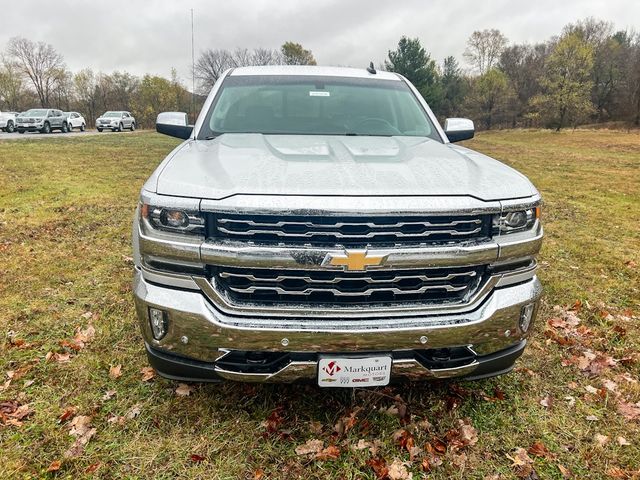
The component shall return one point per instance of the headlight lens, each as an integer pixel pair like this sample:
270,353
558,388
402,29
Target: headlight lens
173,220
516,221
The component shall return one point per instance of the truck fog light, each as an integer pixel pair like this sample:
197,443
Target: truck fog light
159,323
525,317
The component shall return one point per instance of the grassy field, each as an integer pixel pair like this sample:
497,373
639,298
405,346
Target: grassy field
73,402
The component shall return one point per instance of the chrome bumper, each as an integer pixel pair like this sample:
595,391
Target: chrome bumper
199,332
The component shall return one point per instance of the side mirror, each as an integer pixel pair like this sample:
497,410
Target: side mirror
458,129
174,124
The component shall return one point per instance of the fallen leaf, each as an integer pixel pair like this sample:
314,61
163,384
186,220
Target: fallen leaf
54,466
539,449
108,395
459,460
196,458
330,453
601,440
148,373
258,474
522,463
82,430
564,471
133,412
546,401
592,418
310,446
183,390
67,414
622,441
115,371
398,471
630,411
379,467
92,468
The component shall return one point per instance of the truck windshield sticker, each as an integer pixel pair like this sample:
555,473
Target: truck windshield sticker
319,94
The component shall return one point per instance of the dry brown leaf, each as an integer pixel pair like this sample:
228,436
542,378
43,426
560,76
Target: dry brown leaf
459,460
133,412
84,336
82,430
330,453
54,466
184,390
522,463
62,357
622,441
148,373
310,446
630,411
115,371
379,467
546,402
398,471
565,472
258,474
601,440
539,449
67,414
108,395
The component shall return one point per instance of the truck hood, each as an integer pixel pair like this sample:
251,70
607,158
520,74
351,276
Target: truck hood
256,164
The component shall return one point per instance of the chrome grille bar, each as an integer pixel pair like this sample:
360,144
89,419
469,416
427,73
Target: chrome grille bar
281,233
342,293
338,278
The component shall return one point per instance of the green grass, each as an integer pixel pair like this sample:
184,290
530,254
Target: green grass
65,214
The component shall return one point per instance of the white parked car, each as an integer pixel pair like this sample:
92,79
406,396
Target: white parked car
116,121
76,120
8,121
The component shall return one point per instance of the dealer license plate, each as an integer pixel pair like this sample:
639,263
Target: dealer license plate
337,371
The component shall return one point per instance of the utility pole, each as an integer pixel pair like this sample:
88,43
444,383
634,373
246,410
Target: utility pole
193,74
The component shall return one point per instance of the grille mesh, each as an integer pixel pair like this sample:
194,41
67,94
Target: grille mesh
349,231
340,287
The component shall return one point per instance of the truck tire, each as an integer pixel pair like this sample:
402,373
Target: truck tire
21,131
119,128
99,129
46,128
133,126
64,128
10,127
82,127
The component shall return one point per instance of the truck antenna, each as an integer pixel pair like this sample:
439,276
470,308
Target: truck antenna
371,69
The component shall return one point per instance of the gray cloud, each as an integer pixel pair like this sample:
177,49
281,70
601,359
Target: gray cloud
154,36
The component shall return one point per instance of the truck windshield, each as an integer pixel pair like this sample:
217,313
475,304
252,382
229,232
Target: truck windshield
315,105
35,113
112,114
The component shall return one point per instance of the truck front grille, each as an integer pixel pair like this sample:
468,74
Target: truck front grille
349,231
259,285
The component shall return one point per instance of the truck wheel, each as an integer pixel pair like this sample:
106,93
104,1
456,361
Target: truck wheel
46,128
82,127
119,128
133,126
10,127
99,129
64,128
20,131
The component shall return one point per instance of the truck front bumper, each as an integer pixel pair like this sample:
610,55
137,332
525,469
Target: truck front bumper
200,339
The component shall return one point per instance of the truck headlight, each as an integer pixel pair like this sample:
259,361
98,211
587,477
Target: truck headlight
516,220
173,220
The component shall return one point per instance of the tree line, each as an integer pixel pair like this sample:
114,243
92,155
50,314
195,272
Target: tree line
589,73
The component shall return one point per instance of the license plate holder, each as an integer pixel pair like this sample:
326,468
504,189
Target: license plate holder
348,371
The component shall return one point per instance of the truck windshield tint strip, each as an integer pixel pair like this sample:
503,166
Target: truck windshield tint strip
312,105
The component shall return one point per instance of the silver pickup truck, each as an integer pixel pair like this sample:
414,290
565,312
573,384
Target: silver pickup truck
318,223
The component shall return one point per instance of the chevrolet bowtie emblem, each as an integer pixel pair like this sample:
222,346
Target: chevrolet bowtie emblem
354,259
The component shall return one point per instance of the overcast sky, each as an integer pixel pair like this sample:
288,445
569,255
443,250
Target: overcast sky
154,36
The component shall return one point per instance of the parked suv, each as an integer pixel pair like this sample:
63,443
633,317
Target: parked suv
116,121
75,120
43,120
8,121
318,223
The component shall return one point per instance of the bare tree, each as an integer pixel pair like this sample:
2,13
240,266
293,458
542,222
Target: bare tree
40,62
484,49
11,85
267,56
210,65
